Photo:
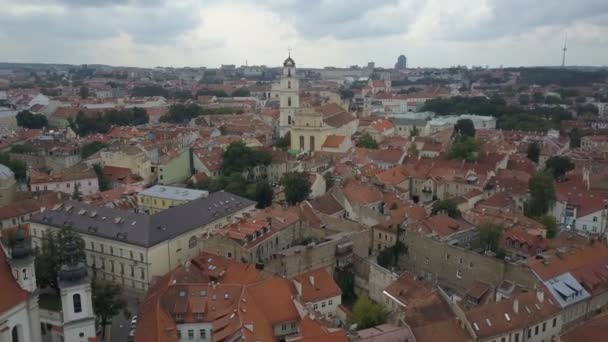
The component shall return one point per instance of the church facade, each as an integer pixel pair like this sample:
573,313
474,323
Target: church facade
310,126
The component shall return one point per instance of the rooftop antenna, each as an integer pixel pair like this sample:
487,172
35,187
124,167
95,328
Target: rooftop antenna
289,51
564,51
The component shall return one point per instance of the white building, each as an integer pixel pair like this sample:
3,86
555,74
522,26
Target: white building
289,96
444,122
318,290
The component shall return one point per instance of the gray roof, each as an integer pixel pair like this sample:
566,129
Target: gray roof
5,172
174,193
566,289
138,228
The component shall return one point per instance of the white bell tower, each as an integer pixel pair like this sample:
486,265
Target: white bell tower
289,95
76,297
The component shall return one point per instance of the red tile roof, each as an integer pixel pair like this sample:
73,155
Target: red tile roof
593,330
333,141
360,193
317,285
12,294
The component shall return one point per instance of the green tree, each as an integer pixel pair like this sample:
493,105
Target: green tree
533,151
17,166
77,195
550,224
102,180
524,99
27,119
108,302
330,180
558,166
414,132
542,194
489,237
448,207
283,142
345,278
464,148
92,148
84,92
465,128
241,92
149,90
575,138
368,314
51,255
297,187
22,149
367,141
238,158
263,194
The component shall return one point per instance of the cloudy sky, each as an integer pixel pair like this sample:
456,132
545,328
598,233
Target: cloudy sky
321,32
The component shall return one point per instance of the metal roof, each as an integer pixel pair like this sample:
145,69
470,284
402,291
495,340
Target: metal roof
138,228
174,193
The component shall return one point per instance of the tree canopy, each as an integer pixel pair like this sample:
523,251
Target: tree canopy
18,167
367,141
533,151
550,224
464,148
183,113
238,158
263,194
149,90
27,119
447,206
108,301
92,148
86,124
558,166
51,255
489,237
368,314
297,187
465,128
542,194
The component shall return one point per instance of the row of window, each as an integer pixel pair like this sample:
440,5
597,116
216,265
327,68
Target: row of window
67,185
202,334
329,303
102,264
121,251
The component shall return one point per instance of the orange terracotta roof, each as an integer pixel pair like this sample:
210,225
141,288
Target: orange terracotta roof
12,294
360,193
317,285
446,330
594,330
333,141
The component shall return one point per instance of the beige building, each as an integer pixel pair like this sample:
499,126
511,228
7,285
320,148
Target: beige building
132,248
311,126
161,197
8,185
132,157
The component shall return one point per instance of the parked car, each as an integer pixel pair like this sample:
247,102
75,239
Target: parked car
133,321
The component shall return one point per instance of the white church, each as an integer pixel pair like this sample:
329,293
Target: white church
20,316
324,127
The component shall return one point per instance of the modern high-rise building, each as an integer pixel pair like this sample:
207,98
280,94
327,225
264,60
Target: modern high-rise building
401,63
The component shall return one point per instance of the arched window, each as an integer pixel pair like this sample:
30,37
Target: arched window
289,72
301,143
192,242
289,120
24,271
15,332
312,143
289,101
288,84
77,303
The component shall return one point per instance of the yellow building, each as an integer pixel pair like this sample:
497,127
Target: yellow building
161,197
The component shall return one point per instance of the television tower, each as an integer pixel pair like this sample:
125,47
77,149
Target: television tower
564,51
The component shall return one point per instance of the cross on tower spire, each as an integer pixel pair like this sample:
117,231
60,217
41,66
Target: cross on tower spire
289,51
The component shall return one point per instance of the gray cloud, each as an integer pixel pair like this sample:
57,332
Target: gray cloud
519,16
94,20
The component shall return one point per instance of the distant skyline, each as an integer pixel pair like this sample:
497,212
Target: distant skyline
433,33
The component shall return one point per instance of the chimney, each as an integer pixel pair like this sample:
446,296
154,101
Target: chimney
540,294
312,280
516,306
